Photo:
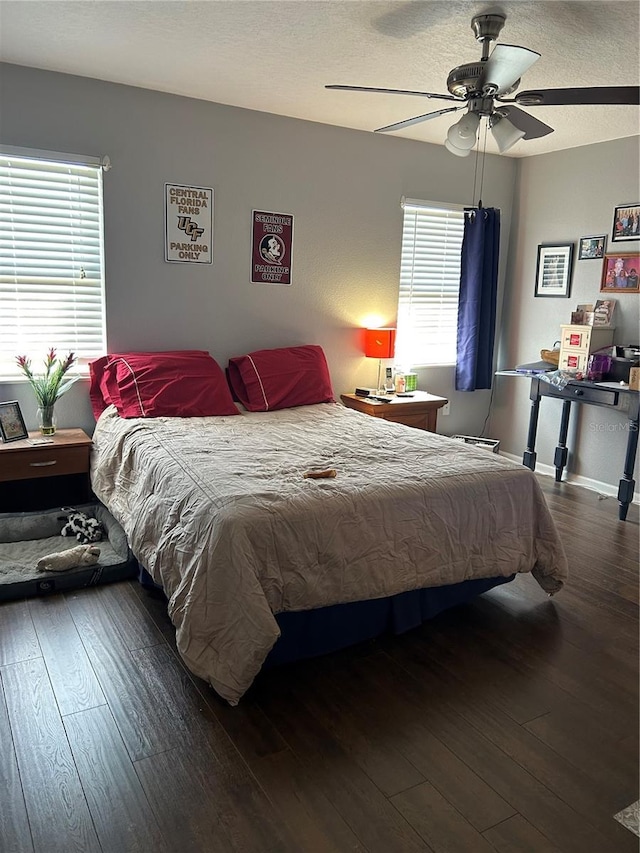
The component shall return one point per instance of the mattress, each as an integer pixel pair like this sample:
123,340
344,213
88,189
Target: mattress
218,510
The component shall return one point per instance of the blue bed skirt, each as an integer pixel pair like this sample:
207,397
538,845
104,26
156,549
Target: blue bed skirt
309,633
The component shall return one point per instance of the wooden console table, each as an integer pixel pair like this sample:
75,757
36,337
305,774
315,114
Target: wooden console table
592,394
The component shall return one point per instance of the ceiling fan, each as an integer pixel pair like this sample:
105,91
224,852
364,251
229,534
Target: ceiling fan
480,88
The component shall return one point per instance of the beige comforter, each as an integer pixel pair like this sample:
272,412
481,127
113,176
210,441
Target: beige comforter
219,512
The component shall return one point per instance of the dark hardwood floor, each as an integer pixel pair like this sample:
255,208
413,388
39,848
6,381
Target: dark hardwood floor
509,724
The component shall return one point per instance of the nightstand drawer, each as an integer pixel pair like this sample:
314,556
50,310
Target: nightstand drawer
44,462
420,421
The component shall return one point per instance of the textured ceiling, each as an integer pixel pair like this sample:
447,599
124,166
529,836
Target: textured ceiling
276,56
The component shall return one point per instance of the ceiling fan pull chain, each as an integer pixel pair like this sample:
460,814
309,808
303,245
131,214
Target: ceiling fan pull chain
484,157
475,176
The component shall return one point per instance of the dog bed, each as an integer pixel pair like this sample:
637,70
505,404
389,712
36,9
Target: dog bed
26,537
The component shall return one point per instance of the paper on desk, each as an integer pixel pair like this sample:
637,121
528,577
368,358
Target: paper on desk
619,385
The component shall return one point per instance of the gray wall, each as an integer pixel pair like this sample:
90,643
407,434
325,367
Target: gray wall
343,186
561,197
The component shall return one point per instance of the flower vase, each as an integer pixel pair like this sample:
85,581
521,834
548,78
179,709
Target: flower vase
47,420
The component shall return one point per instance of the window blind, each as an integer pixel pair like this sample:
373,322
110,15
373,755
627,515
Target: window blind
429,284
51,260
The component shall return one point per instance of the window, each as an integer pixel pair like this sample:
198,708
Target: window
429,283
51,259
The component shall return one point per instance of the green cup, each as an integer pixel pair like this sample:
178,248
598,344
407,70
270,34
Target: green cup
410,381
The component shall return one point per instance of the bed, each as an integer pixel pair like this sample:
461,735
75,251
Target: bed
220,513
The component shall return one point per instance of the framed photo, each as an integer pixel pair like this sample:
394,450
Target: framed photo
620,273
626,222
12,427
591,248
553,273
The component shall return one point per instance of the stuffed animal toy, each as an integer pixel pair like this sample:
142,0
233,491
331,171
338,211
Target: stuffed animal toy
81,525
62,561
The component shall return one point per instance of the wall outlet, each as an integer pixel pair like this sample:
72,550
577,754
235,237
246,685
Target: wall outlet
446,409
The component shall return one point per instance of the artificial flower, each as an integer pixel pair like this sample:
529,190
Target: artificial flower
48,387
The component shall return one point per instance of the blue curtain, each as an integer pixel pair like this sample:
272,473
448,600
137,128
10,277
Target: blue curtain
478,294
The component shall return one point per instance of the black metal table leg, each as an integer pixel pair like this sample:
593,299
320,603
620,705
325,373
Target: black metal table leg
627,484
560,457
529,456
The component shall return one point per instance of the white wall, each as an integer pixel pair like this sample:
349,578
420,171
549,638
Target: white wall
561,197
343,187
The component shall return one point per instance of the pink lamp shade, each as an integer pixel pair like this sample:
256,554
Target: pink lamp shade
379,343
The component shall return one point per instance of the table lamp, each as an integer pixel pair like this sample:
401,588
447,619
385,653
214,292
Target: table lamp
379,343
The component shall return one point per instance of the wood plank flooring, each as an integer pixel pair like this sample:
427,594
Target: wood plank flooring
509,724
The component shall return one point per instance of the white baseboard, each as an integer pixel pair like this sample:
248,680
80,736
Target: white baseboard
576,479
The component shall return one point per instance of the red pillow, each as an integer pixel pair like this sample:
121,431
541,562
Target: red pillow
271,379
98,392
180,384
103,383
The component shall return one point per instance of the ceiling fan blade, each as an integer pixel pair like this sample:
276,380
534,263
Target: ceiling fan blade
417,119
393,92
533,128
629,95
505,66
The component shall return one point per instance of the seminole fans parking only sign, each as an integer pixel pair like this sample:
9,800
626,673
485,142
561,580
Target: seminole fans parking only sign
272,247
188,213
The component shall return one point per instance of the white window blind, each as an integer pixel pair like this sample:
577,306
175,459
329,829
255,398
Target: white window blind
429,284
51,261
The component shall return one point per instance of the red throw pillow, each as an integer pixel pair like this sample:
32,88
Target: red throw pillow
180,384
98,393
271,379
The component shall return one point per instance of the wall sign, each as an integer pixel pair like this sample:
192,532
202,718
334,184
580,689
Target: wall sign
272,247
188,216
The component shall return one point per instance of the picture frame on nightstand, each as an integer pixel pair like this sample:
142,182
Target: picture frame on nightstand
12,425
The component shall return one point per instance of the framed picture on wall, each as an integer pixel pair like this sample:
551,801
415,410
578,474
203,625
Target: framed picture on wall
591,248
626,222
553,273
620,273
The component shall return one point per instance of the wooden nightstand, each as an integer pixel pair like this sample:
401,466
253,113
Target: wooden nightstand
44,475
420,411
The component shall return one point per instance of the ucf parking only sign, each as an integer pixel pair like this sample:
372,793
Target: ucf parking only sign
188,213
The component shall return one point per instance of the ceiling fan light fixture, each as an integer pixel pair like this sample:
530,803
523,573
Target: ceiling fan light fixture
467,127
462,135
459,152
505,133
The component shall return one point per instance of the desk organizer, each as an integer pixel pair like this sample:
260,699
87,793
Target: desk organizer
27,536
578,342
